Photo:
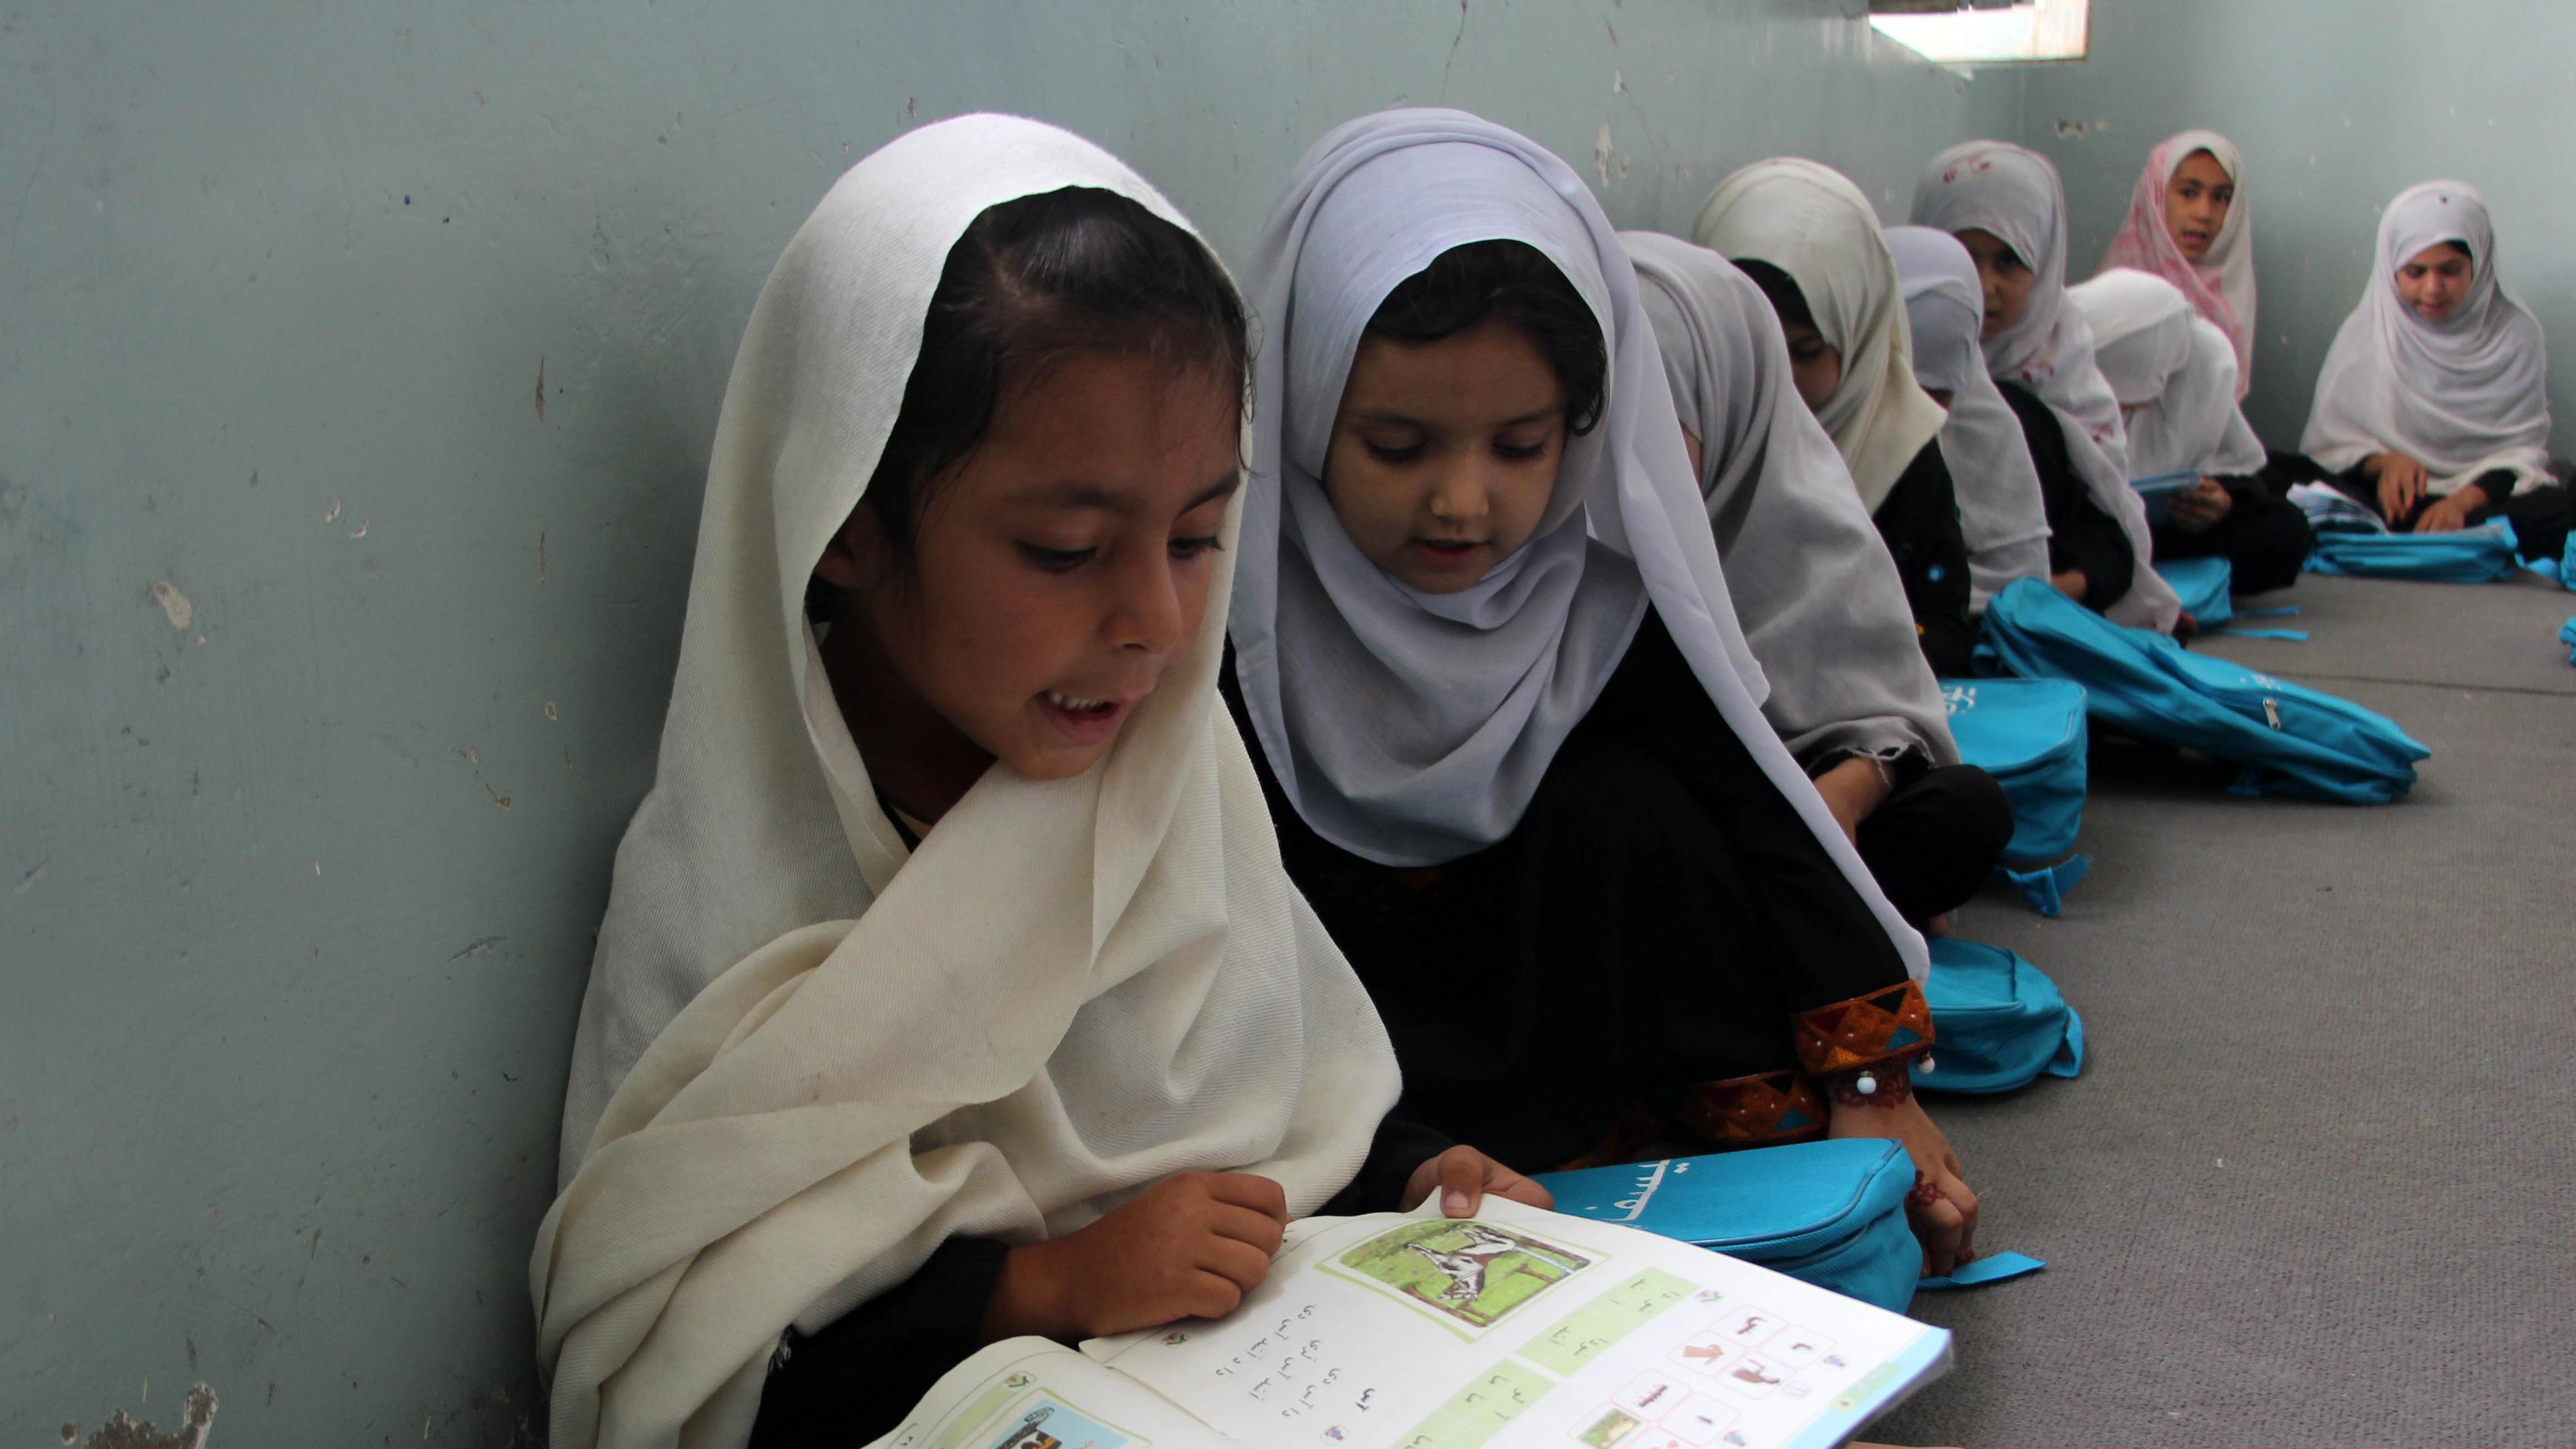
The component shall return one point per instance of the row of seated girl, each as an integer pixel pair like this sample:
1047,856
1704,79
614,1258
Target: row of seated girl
1089,833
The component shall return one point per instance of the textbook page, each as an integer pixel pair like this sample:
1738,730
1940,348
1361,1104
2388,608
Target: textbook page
1029,1393
1519,1326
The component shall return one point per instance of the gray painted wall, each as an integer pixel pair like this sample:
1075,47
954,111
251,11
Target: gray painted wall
2338,106
384,342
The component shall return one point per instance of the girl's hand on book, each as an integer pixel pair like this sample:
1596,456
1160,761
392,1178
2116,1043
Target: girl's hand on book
2451,514
1943,1210
1188,1247
1464,1176
2197,508
2401,483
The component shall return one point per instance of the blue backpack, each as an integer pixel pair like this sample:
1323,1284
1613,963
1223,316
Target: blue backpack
2291,740
2203,585
2470,556
2029,735
1830,1213
1998,1022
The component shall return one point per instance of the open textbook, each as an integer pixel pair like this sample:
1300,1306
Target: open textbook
1515,1327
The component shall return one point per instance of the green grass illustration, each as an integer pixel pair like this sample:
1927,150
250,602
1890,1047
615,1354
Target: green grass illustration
1473,1272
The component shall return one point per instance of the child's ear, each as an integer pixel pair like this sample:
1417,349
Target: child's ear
857,551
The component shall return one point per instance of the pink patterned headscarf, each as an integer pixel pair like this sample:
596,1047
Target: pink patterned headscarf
2221,284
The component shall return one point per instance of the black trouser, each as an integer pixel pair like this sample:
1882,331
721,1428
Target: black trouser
2264,539
1934,841
2541,516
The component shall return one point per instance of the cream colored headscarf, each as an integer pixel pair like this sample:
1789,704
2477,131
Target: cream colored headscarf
1812,223
1820,599
2014,194
2461,396
806,1060
2174,373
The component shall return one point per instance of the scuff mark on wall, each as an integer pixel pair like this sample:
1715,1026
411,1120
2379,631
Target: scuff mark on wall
1453,49
1606,159
541,387
122,1432
484,947
174,604
334,515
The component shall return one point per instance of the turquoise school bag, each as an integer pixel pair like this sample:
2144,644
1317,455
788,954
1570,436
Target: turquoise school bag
2470,556
2203,584
1829,1213
1998,1022
2290,739
2029,735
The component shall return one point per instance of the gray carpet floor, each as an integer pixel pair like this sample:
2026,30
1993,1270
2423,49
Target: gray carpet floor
2315,1185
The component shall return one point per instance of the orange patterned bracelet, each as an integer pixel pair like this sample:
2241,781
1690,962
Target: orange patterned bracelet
1883,1029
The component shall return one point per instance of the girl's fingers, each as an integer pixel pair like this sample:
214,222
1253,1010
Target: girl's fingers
1238,1263
1521,1190
1255,1230
1462,1181
1208,1295
1243,1189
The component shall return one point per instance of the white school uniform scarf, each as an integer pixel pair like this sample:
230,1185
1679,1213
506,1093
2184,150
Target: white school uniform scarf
1820,600
2015,194
2003,513
1813,224
2461,396
805,1060
2174,374
2220,286
1411,728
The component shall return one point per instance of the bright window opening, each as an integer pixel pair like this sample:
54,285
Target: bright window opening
2030,30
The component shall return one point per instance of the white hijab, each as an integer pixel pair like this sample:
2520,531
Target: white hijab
2462,396
1412,728
1820,599
2220,286
2003,513
809,1060
2015,194
2174,374
1813,224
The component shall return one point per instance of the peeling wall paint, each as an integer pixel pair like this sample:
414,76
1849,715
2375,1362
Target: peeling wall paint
121,1431
321,318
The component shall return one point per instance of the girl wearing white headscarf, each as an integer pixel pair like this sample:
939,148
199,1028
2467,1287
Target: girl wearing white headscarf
1808,237
2008,207
2175,376
2003,512
2190,224
1820,603
900,1006
2434,401
1511,723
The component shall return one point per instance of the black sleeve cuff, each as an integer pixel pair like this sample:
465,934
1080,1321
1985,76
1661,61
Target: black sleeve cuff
855,1379
1399,1148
